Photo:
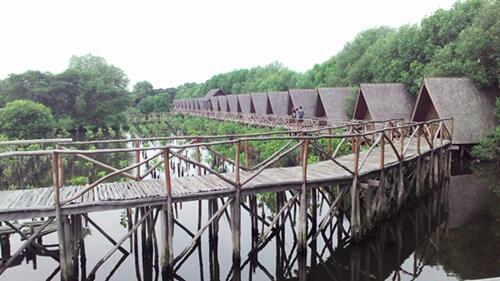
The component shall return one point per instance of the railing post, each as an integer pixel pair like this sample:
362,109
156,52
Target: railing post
302,232
137,145
247,154
355,220
63,259
382,150
419,164
401,142
197,156
330,147
235,208
167,220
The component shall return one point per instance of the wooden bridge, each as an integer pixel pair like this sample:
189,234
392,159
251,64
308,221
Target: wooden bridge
368,169
251,119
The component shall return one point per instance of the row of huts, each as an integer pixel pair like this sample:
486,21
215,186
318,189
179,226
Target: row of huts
470,108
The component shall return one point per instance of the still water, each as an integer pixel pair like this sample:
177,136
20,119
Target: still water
452,234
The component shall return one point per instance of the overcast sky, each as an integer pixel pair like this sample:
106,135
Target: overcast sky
172,42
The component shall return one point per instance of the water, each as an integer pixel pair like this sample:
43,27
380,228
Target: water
452,234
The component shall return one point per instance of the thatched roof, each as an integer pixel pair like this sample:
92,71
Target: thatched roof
224,106
234,104
384,101
215,104
246,104
215,93
308,99
470,108
280,103
334,102
261,103
205,104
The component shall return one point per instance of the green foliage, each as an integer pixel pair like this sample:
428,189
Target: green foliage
90,92
462,41
78,180
272,77
488,148
351,102
23,119
157,103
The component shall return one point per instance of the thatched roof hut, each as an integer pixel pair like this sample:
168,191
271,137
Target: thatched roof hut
334,102
224,106
261,103
215,104
214,93
234,103
205,104
383,101
308,99
280,103
197,105
470,108
246,104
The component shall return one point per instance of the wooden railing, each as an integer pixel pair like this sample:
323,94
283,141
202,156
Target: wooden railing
326,143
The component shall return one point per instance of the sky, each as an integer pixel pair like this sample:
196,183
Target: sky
173,42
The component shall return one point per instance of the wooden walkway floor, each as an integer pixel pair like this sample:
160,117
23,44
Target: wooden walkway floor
36,202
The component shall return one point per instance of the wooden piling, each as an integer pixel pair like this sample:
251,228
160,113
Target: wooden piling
354,191
65,267
167,225
302,232
236,210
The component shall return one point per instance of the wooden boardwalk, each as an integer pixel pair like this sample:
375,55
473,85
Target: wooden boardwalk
37,202
389,162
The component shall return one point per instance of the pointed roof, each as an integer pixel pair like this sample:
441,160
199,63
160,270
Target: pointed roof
308,99
215,93
472,109
215,103
224,106
334,102
197,104
280,103
234,104
246,103
384,101
261,103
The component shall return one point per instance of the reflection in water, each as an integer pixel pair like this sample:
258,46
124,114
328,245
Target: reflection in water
451,234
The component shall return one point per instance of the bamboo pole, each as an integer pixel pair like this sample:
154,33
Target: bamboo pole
167,221
137,145
65,267
354,190
302,231
235,209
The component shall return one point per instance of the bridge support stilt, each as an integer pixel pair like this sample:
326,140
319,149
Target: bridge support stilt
167,222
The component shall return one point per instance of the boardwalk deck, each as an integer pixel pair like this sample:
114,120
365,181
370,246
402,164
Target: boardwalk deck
37,202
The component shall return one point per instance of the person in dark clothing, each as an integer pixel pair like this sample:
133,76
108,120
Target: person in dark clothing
300,113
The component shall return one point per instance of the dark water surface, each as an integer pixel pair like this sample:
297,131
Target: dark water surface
453,234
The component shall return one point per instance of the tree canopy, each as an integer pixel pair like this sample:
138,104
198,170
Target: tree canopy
461,41
24,119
